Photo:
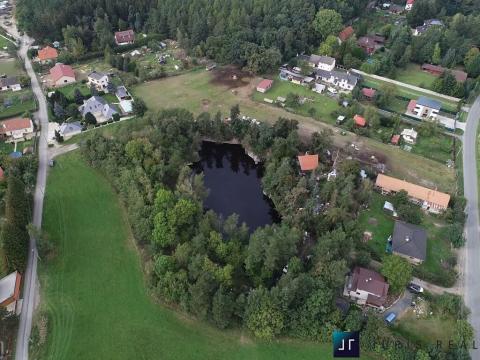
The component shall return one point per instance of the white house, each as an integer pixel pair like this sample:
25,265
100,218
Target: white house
319,61
409,5
424,108
108,111
99,80
409,136
343,80
10,83
16,129
93,105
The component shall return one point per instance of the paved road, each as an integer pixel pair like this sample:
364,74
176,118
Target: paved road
30,276
472,228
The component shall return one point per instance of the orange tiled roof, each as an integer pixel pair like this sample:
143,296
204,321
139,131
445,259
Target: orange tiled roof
359,120
416,191
14,124
308,162
47,53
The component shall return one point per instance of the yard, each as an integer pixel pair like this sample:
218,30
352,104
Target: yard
439,147
322,105
197,92
94,291
414,75
17,103
10,67
435,268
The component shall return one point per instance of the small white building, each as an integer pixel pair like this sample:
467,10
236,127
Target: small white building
99,80
10,83
409,136
424,108
343,80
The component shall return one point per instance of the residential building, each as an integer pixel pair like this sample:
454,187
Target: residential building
124,37
343,80
292,76
409,5
359,121
61,75
10,83
326,63
308,162
47,54
346,33
99,80
427,24
16,129
264,85
369,93
410,242
371,43
93,105
10,291
109,110
409,136
424,108
366,287
460,76
430,200
67,130
122,93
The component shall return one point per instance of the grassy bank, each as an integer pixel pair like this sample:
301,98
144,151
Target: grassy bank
94,292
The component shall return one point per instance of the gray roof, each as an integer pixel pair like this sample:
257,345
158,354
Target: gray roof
122,92
322,59
409,240
96,75
433,22
68,128
109,110
8,81
433,104
93,104
350,78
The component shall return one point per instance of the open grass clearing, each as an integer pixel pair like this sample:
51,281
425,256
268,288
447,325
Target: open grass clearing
195,92
16,103
414,75
10,67
95,295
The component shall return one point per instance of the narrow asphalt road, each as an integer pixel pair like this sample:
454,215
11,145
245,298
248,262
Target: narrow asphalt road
472,228
30,276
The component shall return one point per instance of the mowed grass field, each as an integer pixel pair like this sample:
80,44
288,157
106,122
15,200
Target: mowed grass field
414,75
95,294
195,92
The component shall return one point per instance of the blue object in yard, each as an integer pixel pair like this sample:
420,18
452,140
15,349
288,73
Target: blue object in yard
390,318
16,155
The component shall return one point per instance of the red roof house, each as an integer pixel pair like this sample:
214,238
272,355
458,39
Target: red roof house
346,33
368,93
47,54
308,162
411,105
62,74
409,4
367,287
395,139
124,37
368,44
264,85
360,121
460,76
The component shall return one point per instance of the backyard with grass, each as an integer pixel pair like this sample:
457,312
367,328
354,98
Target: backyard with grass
381,225
17,103
414,75
10,67
94,291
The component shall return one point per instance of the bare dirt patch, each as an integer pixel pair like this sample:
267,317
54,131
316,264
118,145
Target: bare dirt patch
230,76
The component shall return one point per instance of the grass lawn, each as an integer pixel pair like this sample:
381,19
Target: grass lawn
19,104
9,67
322,104
438,147
414,75
425,331
381,225
69,90
95,295
195,92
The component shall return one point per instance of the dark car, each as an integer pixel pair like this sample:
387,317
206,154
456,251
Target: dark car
414,288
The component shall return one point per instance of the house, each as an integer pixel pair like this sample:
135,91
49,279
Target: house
344,80
10,83
61,75
427,24
431,200
460,76
99,80
124,37
264,85
409,5
368,93
308,162
93,105
410,242
47,54
67,130
319,88
366,287
16,129
424,108
346,33
359,121
122,93
395,139
10,291
109,110
409,136
372,43
326,63
292,76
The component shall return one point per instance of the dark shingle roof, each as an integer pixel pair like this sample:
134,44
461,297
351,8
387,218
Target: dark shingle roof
409,240
433,104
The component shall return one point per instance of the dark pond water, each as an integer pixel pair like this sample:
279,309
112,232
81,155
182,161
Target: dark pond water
235,185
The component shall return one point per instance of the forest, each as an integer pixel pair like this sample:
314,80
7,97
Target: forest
283,279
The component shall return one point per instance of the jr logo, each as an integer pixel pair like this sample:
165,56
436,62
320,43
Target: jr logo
346,344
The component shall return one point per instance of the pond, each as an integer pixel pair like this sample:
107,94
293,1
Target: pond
234,181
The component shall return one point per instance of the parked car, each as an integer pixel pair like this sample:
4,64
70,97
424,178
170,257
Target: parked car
390,318
414,288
